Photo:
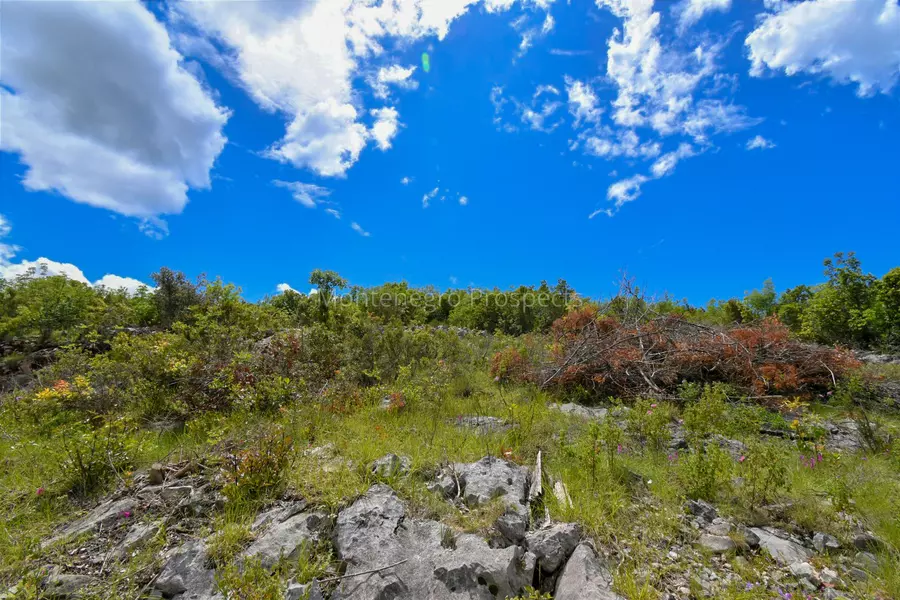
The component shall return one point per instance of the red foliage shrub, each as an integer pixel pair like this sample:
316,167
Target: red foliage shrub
655,356
510,364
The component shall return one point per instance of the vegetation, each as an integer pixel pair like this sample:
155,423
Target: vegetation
297,395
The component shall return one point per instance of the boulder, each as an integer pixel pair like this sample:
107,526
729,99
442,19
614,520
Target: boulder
106,515
138,535
277,514
784,550
375,533
491,478
551,547
717,544
823,542
484,425
64,585
577,410
186,573
585,577
702,509
288,537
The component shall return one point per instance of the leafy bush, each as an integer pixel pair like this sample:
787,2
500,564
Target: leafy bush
648,423
93,454
764,473
258,471
705,472
707,414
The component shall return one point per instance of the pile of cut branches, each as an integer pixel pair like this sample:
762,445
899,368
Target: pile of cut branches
653,355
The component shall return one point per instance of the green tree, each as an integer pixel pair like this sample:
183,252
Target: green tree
326,283
174,295
889,297
843,310
760,304
792,306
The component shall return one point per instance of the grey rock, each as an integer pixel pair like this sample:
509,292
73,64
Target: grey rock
491,478
64,585
484,425
391,465
717,544
552,547
511,526
444,483
186,573
804,570
857,574
865,560
829,577
577,410
106,515
288,537
138,535
866,541
585,577
719,527
750,538
304,591
375,532
734,447
702,509
823,542
783,550
277,514
176,493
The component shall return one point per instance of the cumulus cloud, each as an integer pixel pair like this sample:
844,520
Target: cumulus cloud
386,125
691,11
463,200
307,194
854,41
302,58
760,143
406,180
395,75
100,108
358,229
283,287
115,282
583,103
7,251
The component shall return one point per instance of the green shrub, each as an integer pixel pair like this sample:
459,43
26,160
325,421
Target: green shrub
258,471
706,415
764,472
93,454
705,472
648,423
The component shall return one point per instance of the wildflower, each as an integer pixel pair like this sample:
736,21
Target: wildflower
673,457
126,514
653,405
619,449
742,459
649,412
497,379
749,586
40,491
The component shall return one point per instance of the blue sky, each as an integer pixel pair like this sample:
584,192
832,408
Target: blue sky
700,145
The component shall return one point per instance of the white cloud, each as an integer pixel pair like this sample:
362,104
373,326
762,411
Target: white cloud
848,40
45,266
283,287
7,251
100,109
406,180
691,11
625,190
307,194
583,103
115,282
429,196
665,164
333,212
302,58
386,126
396,75
358,229
760,143
463,200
